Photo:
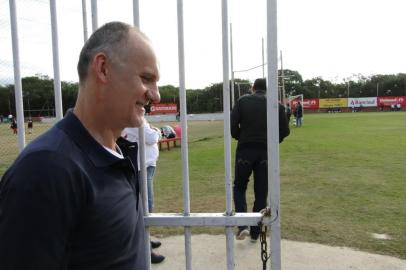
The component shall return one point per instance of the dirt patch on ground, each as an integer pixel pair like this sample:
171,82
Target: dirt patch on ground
209,253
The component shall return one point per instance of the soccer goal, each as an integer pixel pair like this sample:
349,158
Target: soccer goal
293,102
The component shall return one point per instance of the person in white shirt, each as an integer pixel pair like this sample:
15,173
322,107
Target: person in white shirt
152,136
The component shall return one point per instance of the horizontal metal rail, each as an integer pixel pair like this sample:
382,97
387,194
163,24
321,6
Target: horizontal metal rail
206,219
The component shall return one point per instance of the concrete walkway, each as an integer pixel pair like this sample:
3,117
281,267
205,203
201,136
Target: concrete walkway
208,253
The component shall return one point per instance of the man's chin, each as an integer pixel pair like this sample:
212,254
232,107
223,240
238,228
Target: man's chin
138,122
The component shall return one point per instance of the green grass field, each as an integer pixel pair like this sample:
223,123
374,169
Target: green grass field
343,177
9,145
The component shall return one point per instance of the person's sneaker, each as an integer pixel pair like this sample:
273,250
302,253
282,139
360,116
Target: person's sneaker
242,233
155,244
156,258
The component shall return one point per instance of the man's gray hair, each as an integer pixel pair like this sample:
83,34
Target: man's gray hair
110,39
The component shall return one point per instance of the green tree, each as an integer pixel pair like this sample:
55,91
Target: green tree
38,95
5,103
69,94
293,82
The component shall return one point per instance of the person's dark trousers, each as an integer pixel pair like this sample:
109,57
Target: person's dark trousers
251,159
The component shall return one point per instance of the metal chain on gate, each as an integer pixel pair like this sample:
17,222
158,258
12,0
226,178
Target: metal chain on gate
266,212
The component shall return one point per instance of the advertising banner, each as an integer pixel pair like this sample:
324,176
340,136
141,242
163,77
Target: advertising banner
388,101
164,108
311,103
362,102
333,102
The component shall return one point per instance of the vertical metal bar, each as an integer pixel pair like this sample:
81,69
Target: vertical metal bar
273,135
144,186
226,107
184,141
143,169
227,135
84,15
263,59
94,15
55,52
141,151
136,13
18,92
232,65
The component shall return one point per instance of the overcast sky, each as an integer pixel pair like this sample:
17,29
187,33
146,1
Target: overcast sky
333,39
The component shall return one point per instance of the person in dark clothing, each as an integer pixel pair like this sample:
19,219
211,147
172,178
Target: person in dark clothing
249,127
71,200
288,112
13,126
178,116
299,114
30,126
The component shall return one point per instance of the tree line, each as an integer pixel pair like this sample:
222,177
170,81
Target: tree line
355,86
38,92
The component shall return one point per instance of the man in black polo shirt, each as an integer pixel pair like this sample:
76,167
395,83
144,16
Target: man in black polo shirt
71,199
249,127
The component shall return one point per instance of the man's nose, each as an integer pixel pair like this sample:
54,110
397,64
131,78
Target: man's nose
153,94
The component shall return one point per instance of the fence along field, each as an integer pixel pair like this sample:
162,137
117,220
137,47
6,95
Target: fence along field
342,178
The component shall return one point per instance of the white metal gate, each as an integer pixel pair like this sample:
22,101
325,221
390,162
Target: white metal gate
187,220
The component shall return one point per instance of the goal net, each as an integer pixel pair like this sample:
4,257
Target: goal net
293,102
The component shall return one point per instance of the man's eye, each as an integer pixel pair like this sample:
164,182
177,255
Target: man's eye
147,79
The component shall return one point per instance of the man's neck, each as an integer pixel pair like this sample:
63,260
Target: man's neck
260,92
96,125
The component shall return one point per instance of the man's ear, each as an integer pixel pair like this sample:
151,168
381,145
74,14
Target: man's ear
99,66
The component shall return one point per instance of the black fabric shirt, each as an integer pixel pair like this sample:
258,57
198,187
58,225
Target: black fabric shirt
249,121
67,203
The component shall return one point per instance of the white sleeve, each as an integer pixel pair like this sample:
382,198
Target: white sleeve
152,136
